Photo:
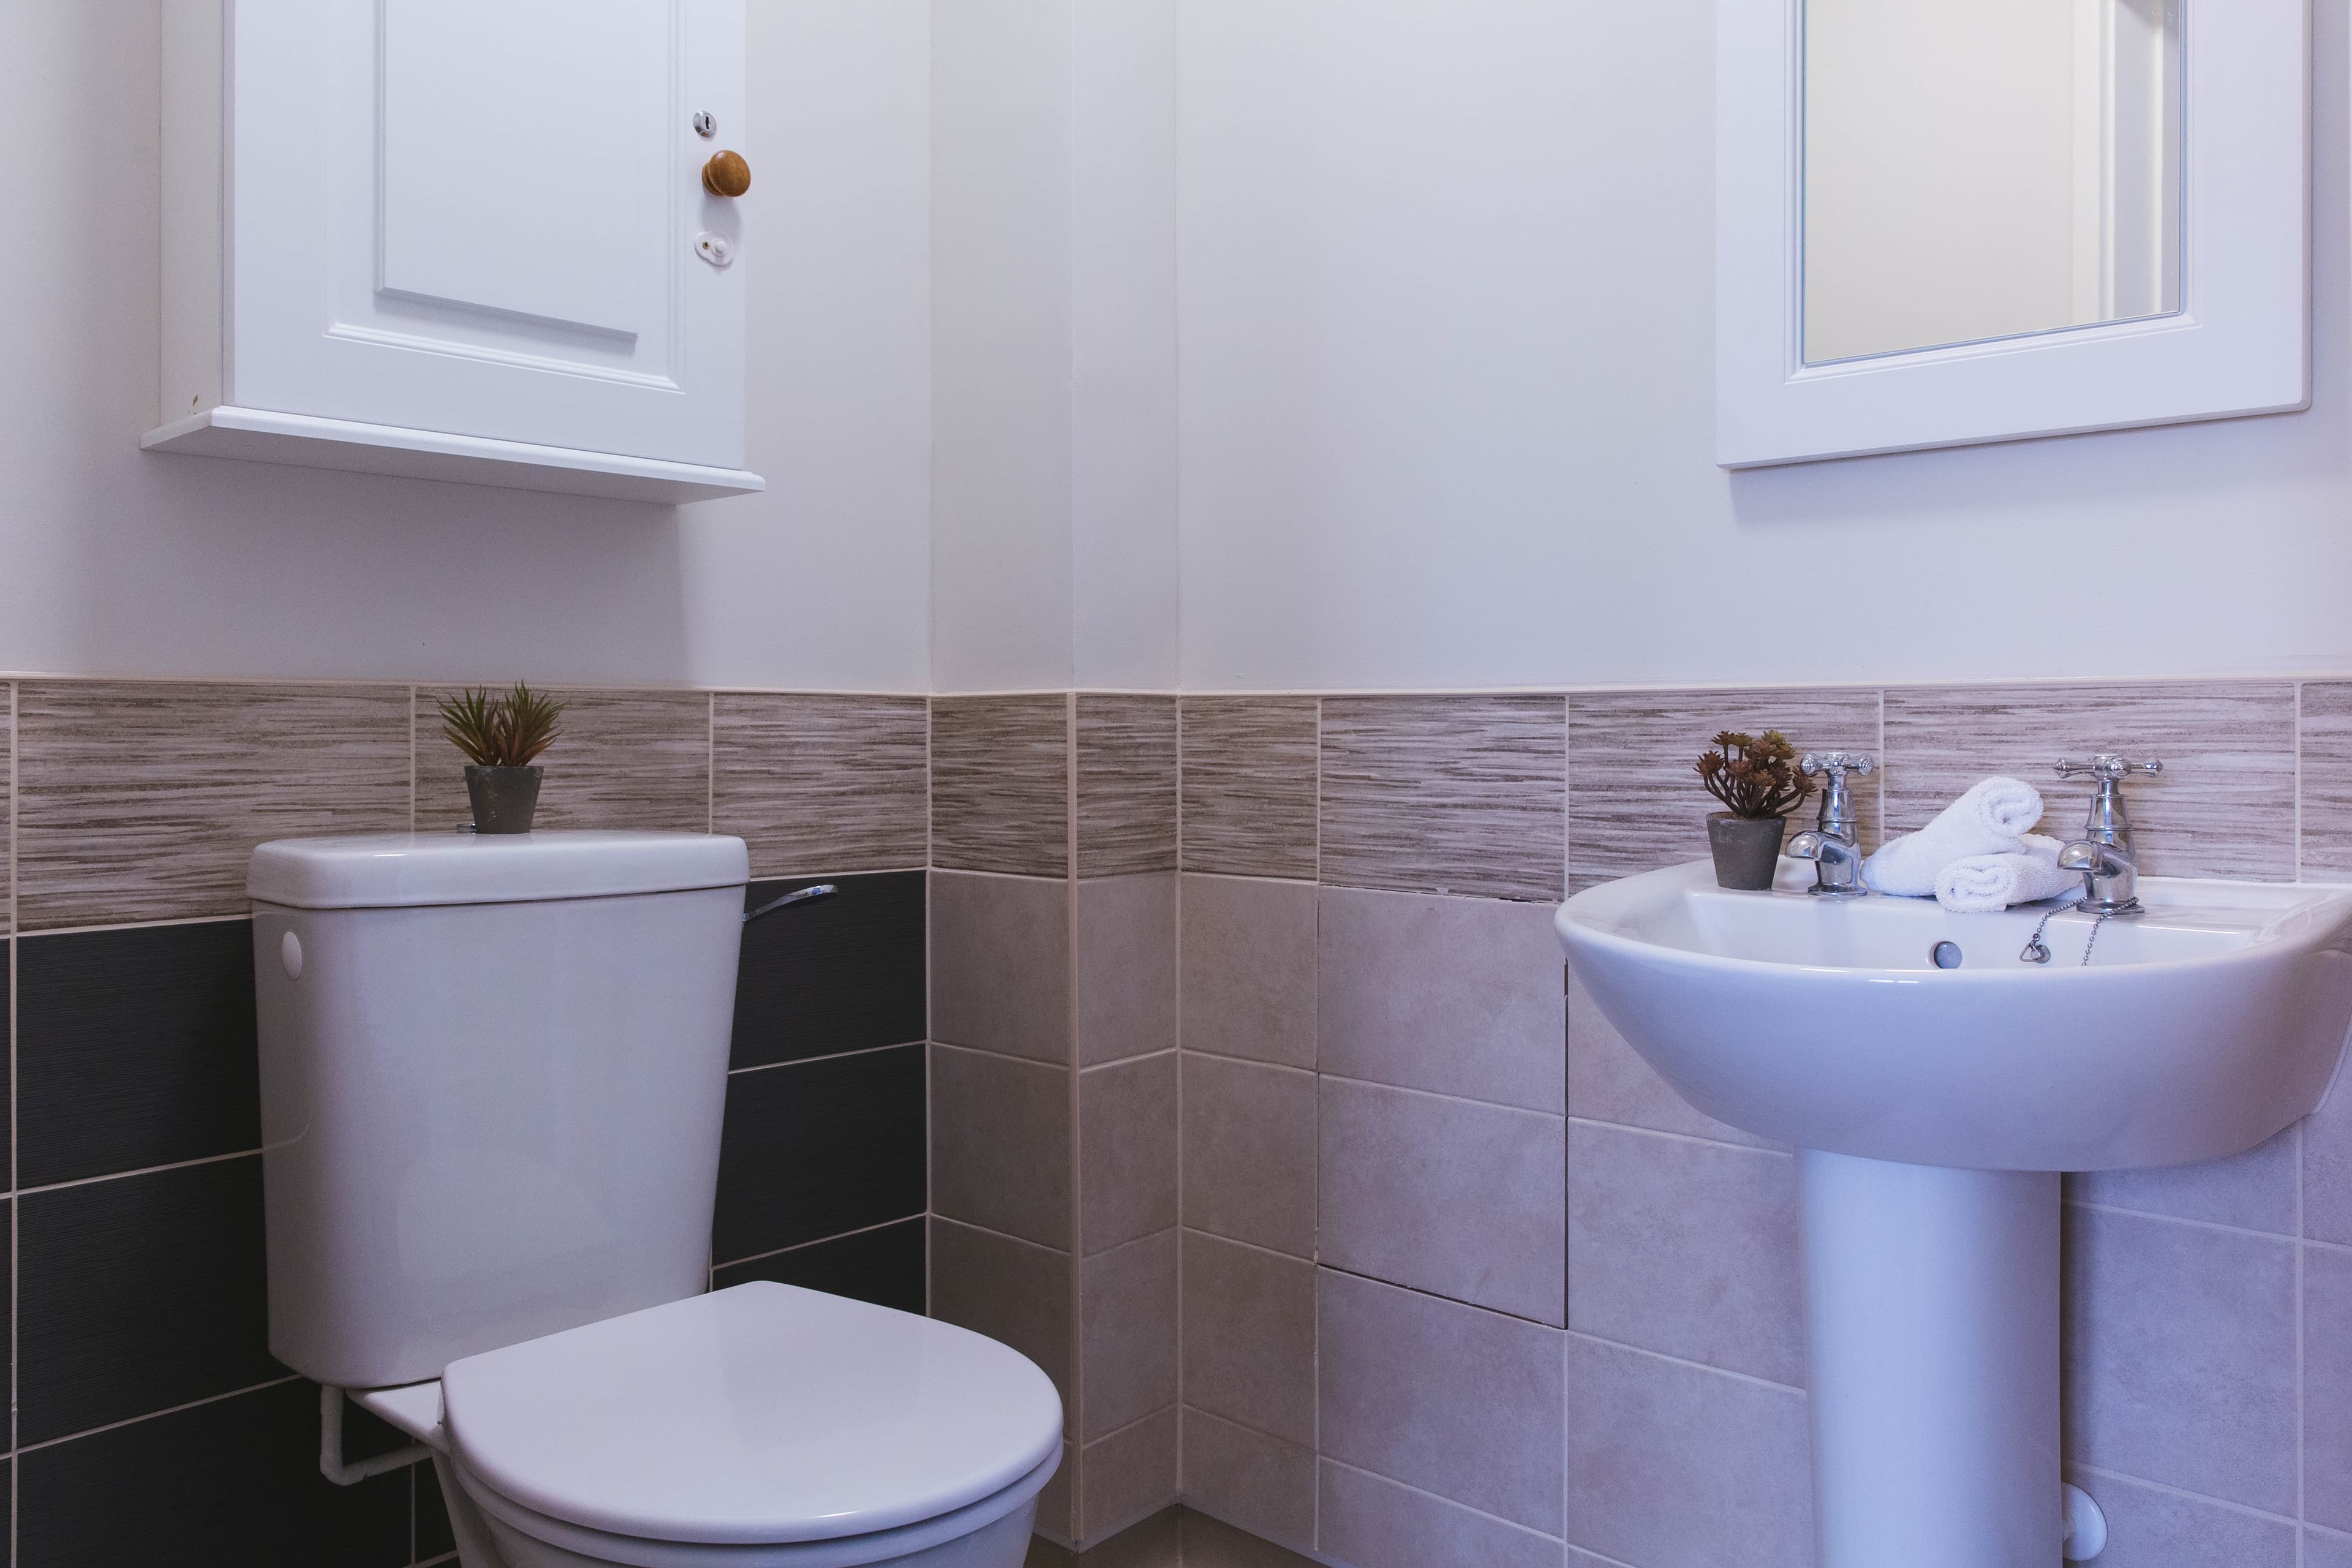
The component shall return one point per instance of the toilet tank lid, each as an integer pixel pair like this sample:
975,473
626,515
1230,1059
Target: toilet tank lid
395,870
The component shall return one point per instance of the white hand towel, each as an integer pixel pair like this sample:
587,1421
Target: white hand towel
1990,819
1984,883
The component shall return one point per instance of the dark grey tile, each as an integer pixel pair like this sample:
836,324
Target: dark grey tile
840,974
1127,784
139,1294
1001,1144
1447,1398
135,1048
638,761
1373,1522
1013,1291
815,1149
821,784
1444,795
229,1484
1000,785
2224,806
141,801
2325,779
433,1536
884,1266
7,806
1249,785
1671,1463
2180,1355
1635,800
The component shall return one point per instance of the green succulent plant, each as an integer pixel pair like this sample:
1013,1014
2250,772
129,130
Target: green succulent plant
1755,775
500,730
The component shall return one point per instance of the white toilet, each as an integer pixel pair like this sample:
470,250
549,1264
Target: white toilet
492,1072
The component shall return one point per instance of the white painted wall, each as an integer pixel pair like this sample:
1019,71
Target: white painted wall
1447,386
1054,356
112,560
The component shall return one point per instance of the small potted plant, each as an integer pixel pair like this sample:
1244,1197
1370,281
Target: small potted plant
1756,777
501,735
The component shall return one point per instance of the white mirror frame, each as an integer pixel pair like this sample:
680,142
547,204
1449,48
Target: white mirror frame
2240,343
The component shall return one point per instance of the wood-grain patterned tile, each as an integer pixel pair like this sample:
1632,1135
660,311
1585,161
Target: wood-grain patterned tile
2326,780
638,761
1127,784
822,784
1000,785
141,801
2223,807
1249,785
7,806
1444,795
1634,799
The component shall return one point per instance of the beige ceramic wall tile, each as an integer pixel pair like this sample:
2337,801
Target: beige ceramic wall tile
2224,806
822,783
1127,1151
1127,1333
1373,1522
1000,785
141,801
1260,1483
1001,1144
1444,795
1127,786
2326,780
1012,1291
1127,1476
1635,800
1249,785
631,760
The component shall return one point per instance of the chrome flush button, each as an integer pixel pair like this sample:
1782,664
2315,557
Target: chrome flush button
290,953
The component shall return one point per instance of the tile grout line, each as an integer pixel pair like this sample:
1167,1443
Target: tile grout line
931,1028
829,1057
156,1415
819,1241
1747,1377
16,1209
1315,1511
1451,1502
2301,1252
1075,1221
1176,960
2212,1225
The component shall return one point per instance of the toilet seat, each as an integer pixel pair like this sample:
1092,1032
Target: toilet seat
763,1416
847,1551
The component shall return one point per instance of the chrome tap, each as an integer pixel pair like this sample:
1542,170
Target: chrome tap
2103,853
1835,847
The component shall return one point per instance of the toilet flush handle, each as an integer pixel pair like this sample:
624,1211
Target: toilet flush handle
801,896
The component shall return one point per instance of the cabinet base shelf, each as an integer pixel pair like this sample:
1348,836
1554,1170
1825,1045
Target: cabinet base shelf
306,441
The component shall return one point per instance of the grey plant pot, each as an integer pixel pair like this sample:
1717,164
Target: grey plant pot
1747,850
505,799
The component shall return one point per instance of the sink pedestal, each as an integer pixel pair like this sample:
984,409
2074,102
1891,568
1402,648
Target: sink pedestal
1931,1305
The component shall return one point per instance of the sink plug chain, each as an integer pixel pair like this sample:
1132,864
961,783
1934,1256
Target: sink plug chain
2036,950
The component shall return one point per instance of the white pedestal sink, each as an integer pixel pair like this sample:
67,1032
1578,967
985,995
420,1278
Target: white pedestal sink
1933,1108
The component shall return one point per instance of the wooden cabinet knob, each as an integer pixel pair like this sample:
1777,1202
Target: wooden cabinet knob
726,174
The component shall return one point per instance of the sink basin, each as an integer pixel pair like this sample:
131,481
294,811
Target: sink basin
2196,1031
1934,1083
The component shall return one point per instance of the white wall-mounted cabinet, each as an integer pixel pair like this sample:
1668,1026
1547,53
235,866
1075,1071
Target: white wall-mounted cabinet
458,240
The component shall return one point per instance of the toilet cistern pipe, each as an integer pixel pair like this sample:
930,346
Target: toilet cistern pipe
330,1445
800,896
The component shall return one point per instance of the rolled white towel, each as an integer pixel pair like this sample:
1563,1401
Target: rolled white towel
1991,818
1981,884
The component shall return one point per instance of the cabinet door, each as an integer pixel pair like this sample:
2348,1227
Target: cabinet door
481,216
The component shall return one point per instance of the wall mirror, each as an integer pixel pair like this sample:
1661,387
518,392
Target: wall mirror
1941,223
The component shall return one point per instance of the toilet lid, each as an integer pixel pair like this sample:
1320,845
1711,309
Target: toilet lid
760,1413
